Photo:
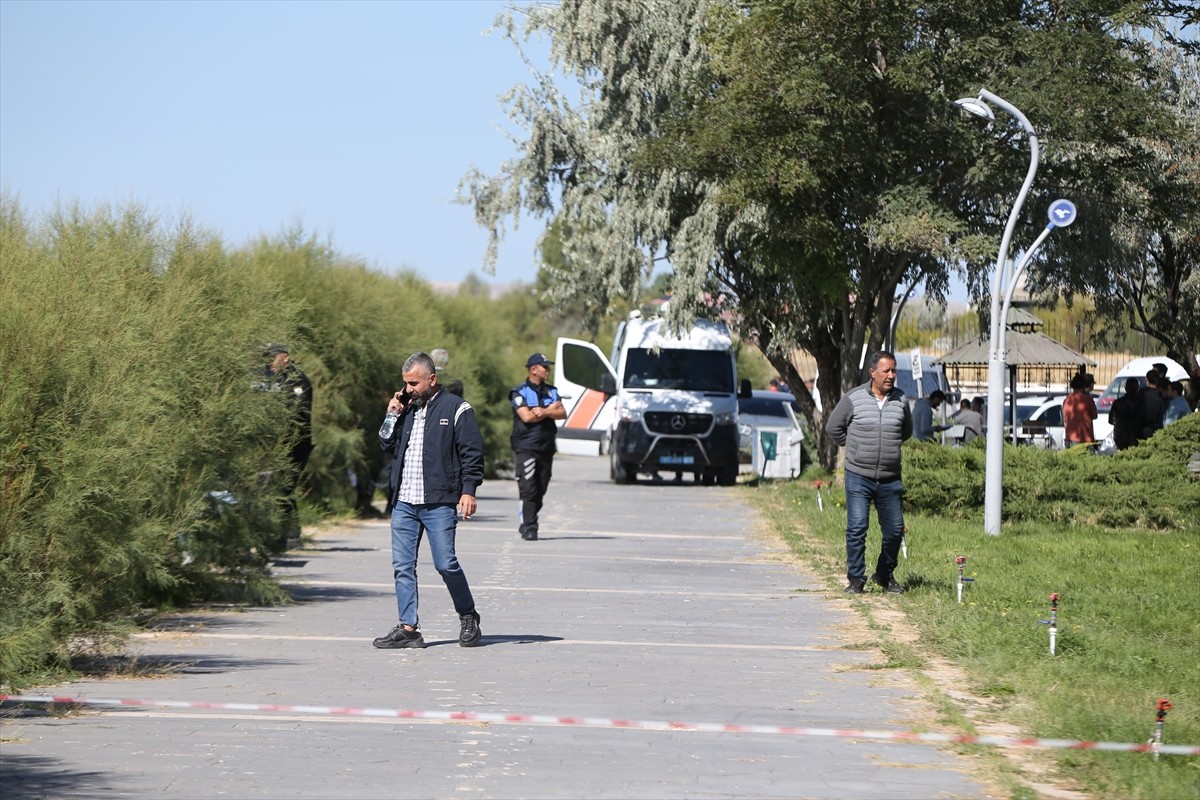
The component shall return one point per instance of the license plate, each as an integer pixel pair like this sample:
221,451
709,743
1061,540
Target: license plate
676,459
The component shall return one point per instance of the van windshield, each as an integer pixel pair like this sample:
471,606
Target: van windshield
689,370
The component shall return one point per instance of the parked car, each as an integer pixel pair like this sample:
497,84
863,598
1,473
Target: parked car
1026,406
776,414
1044,426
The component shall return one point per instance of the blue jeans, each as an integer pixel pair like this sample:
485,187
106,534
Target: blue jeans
409,523
886,495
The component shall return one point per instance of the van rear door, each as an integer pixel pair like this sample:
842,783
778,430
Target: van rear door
587,383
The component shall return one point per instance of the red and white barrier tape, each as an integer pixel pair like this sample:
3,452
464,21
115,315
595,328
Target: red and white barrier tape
600,722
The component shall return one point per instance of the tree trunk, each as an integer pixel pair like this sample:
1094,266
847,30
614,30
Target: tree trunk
826,448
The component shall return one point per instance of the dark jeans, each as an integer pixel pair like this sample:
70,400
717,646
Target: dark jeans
861,492
533,479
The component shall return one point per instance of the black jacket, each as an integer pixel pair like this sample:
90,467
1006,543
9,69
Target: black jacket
453,459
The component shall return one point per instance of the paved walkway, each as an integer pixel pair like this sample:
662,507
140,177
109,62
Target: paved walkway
645,602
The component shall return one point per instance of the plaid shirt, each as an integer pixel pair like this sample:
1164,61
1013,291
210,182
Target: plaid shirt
412,482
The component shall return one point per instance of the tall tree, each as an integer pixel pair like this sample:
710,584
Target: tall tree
1149,227
805,156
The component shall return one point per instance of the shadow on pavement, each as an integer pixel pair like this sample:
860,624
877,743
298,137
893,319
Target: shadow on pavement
543,538
189,622
304,593
26,777
156,665
488,641
339,549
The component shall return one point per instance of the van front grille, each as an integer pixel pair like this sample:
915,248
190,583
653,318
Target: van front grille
678,423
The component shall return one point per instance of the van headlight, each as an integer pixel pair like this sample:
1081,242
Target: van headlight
631,414
728,418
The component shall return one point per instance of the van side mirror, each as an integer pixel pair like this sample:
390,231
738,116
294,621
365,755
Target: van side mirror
608,384
744,389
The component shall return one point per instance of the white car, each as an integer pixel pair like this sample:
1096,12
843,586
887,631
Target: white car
1044,426
1026,406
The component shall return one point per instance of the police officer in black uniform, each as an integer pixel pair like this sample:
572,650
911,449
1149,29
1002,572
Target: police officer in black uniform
536,405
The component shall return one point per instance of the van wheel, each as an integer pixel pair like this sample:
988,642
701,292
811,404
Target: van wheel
727,476
621,471
706,478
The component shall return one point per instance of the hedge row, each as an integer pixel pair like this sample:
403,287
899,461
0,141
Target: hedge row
1147,486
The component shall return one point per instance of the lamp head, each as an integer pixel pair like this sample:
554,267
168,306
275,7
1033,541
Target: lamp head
975,106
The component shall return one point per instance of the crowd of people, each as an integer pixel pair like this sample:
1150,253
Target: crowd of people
968,415
1146,406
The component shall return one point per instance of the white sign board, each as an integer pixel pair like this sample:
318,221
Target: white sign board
916,370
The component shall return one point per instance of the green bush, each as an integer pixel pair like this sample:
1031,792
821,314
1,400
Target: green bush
354,331
1140,487
126,399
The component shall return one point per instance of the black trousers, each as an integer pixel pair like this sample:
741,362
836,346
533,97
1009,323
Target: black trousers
533,479
289,511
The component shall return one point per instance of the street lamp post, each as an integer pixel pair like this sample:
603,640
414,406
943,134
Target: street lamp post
993,493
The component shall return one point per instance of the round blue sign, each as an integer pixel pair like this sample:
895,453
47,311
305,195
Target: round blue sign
1061,213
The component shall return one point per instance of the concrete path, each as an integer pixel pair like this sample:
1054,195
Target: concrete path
645,602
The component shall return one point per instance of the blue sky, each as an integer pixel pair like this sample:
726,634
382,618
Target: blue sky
354,119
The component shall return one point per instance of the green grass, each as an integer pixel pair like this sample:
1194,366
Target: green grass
1128,627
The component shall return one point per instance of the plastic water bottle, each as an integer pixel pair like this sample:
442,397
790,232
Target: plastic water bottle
388,426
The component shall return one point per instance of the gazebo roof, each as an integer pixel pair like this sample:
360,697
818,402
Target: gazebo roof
1025,349
1020,319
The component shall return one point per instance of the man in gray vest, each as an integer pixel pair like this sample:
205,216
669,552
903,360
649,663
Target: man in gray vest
872,421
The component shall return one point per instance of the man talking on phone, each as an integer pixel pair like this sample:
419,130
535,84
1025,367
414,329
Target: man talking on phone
437,465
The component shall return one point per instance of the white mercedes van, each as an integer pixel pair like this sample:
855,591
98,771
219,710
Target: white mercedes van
661,403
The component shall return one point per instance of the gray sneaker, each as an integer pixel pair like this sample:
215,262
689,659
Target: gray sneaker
856,586
399,637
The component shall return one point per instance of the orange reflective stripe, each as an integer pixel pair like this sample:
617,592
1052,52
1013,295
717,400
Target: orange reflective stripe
586,410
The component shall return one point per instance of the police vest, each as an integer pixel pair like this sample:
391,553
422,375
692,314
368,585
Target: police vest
536,436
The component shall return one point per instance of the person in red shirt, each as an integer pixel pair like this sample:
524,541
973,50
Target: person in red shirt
1079,411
